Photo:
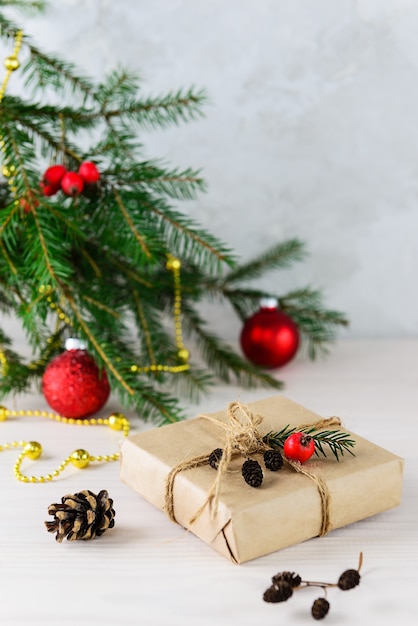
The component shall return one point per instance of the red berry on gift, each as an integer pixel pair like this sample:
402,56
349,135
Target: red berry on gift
72,184
89,172
299,447
54,175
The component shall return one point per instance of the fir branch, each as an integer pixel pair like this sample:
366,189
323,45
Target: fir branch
317,324
7,258
172,108
27,111
131,225
338,442
279,256
6,302
157,405
42,130
244,301
124,267
118,84
143,325
19,376
174,183
221,358
193,383
94,342
47,70
25,5
181,233
100,305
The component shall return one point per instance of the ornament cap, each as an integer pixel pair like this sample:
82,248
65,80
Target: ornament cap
269,303
73,343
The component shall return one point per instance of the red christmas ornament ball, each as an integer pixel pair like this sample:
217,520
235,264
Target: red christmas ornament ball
72,384
269,338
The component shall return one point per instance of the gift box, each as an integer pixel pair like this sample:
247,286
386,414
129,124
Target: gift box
169,467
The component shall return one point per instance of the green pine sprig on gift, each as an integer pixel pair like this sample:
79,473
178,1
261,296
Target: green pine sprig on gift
338,442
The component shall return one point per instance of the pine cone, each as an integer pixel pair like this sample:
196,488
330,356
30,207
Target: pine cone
348,579
278,594
320,608
291,578
252,473
214,457
273,460
81,516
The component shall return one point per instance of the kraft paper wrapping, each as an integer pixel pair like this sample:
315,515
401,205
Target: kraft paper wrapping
251,522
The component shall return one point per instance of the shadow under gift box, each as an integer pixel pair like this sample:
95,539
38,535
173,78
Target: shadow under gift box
251,522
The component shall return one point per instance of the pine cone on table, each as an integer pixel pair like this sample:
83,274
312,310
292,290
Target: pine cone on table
83,515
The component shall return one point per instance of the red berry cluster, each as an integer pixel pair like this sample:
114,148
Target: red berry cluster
57,178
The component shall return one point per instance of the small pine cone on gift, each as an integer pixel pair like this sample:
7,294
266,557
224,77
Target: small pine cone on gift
348,579
273,460
291,578
279,593
83,515
252,473
320,608
215,457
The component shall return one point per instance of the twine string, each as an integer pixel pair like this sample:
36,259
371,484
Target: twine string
243,438
323,492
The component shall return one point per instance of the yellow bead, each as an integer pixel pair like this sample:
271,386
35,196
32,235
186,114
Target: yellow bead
11,63
173,264
33,450
117,421
183,354
3,413
5,171
80,458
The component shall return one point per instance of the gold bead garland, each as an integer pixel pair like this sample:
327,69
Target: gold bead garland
80,458
173,265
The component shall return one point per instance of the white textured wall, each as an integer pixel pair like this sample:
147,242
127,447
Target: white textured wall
312,130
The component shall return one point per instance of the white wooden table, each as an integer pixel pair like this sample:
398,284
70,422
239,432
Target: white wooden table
148,571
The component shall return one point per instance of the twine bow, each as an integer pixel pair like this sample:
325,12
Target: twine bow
243,438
